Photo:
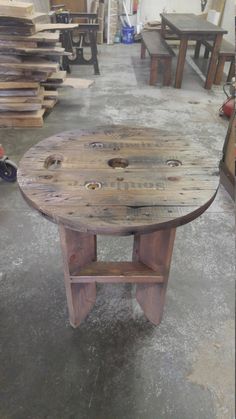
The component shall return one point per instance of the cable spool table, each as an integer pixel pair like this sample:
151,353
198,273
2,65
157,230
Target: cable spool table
118,181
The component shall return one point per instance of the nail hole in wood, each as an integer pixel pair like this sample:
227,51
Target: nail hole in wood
174,163
96,145
53,162
118,163
93,185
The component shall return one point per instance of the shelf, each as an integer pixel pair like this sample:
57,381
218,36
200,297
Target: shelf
107,272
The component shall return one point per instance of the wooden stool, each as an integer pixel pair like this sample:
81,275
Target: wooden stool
118,181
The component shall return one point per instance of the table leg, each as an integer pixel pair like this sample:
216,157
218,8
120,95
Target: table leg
197,49
167,71
163,29
154,250
153,71
181,61
219,70
94,51
78,249
213,62
143,51
231,71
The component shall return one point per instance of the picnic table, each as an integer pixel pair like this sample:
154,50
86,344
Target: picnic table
118,181
187,27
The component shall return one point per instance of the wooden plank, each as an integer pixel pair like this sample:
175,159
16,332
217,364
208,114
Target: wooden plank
10,59
50,94
20,107
18,85
78,249
185,23
57,77
17,30
117,272
40,27
75,83
32,64
21,99
22,76
47,37
49,103
24,22
156,45
13,8
22,119
19,92
17,44
53,51
154,249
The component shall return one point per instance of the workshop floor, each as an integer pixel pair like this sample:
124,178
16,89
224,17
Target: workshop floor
117,365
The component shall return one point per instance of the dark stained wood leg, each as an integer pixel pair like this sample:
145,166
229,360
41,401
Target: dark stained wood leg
153,71
181,62
78,249
167,77
213,62
197,49
231,71
93,45
206,53
154,250
163,29
219,70
143,51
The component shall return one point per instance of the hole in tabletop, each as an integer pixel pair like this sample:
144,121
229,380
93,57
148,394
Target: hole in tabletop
53,162
174,163
93,185
118,163
96,145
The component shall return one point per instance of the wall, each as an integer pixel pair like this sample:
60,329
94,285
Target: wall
228,20
151,9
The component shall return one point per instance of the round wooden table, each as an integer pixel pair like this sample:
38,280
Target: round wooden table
118,181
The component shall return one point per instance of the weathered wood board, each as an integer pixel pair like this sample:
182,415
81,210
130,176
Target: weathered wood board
32,64
40,27
119,180
53,51
15,8
46,37
18,85
19,92
22,119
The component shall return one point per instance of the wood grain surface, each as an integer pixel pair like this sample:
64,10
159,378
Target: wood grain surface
166,179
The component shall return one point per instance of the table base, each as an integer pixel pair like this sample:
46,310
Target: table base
149,270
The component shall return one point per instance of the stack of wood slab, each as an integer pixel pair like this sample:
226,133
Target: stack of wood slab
28,58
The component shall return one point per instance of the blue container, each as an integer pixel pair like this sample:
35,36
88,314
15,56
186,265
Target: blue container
128,35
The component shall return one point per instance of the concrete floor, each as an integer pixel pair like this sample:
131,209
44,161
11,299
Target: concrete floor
117,365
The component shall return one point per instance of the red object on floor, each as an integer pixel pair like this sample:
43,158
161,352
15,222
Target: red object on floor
228,107
2,152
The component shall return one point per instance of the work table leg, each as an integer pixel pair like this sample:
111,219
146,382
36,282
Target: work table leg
213,62
154,250
78,249
181,61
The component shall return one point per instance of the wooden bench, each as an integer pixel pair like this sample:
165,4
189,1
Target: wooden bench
159,51
227,53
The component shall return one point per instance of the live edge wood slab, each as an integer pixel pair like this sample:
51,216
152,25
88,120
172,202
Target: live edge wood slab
118,181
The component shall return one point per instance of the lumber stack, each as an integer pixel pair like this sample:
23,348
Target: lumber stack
29,60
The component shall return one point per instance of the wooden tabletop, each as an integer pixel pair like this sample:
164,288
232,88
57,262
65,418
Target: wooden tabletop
189,23
119,180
